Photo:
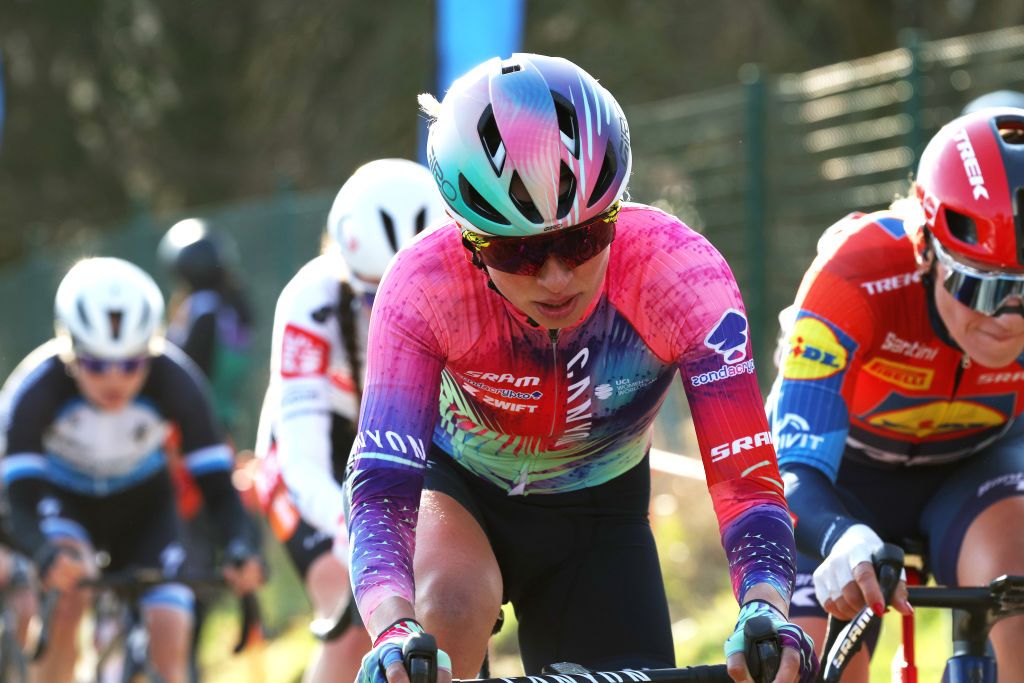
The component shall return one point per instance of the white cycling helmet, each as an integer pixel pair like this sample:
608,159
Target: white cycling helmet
109,308
379,210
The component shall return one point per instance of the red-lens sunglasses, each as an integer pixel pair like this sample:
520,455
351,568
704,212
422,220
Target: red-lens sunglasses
573,246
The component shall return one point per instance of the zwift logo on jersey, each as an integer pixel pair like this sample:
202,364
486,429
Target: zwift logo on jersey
815,351
728,338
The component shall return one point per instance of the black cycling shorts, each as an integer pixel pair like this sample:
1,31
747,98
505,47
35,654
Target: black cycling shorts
137,527
580,568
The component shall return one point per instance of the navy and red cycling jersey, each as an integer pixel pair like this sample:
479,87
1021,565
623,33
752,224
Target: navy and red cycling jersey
870,372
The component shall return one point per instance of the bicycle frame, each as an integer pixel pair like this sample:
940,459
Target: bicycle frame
975,611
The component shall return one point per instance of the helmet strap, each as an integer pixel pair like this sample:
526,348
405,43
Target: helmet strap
479,263
928,279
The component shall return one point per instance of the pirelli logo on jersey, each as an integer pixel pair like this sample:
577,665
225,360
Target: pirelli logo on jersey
900,374
815,351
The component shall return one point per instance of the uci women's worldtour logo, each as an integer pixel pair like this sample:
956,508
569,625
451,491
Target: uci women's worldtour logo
728,338
815,351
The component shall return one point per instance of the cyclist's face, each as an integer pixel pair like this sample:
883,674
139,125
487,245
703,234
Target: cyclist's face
113,388
556,296
993,341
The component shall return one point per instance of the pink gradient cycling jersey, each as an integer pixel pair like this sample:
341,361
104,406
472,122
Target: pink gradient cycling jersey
537,411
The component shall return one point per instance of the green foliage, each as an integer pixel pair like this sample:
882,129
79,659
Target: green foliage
166,104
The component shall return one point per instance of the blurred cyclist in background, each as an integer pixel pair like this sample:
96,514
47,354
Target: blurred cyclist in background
516,361
318,359
895,409
85,468
211,321
210,316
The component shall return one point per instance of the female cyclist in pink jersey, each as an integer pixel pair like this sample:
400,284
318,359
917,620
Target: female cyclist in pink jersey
516,361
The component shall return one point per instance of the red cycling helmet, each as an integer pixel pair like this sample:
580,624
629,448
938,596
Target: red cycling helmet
970,183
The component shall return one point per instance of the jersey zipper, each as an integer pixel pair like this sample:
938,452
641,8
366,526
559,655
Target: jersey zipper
520,488
964,363
553,336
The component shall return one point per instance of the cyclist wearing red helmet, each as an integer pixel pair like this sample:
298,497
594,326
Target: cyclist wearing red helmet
517,358
894,413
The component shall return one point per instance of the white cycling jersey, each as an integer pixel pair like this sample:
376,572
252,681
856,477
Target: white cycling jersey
311,385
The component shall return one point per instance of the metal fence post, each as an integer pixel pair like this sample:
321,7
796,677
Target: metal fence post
284,221
755,296
911,39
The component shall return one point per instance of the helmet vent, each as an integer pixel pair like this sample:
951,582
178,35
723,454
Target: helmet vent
511,68
389,229
82,315
567,194
421,220
605,177
1011,129
568,124
115,318
519,195
962,227
475,201
490,136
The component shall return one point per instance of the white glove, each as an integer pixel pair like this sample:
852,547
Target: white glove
856,545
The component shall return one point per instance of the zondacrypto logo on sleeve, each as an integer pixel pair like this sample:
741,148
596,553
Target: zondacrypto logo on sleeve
815,351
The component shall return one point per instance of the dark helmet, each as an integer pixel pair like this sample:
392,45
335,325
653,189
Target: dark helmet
195,254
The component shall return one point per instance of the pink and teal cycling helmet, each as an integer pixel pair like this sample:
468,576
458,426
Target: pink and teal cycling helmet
528,145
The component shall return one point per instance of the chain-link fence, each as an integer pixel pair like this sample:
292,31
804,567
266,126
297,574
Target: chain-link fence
761,167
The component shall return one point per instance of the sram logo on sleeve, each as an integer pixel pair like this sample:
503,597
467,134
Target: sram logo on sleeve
744,443
814,351
303,354
728,337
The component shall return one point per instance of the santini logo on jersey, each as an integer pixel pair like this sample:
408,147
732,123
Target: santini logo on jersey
915,350
744,443
971,166
728,337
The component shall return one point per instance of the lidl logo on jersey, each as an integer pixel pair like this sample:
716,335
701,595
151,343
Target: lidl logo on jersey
728,338
815,351
900,374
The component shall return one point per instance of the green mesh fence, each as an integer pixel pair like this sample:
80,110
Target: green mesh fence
761,167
